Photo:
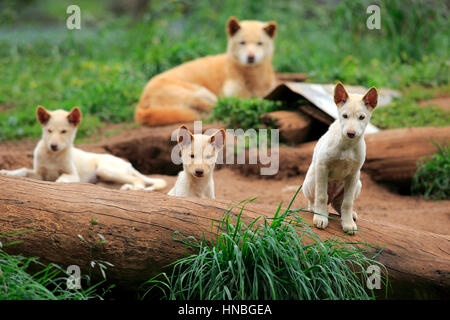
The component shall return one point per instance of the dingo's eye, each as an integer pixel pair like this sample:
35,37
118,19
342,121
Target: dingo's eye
242,43
63,131
49,131
344,116
208,157
192,156
361,117
259,43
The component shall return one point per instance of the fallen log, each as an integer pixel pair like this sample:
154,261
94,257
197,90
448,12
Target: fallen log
138,227
392,155
293,126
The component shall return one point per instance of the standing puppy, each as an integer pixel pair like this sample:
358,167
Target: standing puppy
333,176
199,155
56,159
245,70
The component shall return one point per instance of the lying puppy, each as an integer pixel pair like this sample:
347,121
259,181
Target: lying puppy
333,176
56,159
199,155
245,70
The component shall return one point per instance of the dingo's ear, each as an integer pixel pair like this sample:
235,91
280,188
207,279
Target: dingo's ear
340,94
218,138
185,137
233,26
74,117
271,29
371,98
42,115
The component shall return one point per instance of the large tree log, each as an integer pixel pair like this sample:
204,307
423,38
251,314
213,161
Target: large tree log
392,155
139,227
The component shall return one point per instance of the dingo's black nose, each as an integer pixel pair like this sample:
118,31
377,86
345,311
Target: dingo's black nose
251,58
199,172
54,147
351,134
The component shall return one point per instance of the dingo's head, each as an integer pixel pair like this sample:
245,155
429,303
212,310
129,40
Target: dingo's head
250,42
59,127
199,151
354,110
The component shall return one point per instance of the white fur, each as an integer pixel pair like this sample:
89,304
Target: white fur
69,164
337,161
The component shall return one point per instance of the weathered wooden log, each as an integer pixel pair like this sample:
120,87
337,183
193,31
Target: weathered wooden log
294,126
392,155
138,227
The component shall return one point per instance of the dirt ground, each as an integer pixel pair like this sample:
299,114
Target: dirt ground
377,201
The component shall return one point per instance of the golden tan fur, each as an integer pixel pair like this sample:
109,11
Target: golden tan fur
184,92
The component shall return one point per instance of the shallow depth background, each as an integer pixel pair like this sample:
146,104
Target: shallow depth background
104,66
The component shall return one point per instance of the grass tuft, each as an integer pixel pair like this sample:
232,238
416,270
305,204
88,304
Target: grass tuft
277,258
432,178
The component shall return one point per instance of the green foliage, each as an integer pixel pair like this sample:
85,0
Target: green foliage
407,113
243,113
432,177
278,258
16,283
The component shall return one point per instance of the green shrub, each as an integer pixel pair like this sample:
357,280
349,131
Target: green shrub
432,178
278,258
243,113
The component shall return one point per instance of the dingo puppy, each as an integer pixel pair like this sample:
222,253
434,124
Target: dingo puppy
199,155
333,176
56,159
245,70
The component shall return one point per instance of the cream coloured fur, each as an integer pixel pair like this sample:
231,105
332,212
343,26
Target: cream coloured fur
56,159
199,155
334,173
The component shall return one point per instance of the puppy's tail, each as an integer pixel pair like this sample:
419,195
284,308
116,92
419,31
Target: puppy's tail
156,116
155,183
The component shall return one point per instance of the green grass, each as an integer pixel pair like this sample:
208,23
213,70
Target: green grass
104,67
278,258
432,178
17,282
406,112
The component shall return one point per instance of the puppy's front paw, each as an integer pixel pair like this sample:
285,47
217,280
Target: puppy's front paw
127,187
320,221
349,227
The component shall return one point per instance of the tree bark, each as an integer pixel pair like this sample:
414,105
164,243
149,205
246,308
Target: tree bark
139,227
392,155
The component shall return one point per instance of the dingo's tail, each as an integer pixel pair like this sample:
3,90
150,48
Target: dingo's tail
156,183
155,116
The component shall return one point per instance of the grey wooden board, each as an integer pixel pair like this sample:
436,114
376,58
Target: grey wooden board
321,96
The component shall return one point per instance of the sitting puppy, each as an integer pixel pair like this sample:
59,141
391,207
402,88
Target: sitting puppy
56,159
245,70
333,176
199,155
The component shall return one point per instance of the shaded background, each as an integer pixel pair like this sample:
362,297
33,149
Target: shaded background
104,66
